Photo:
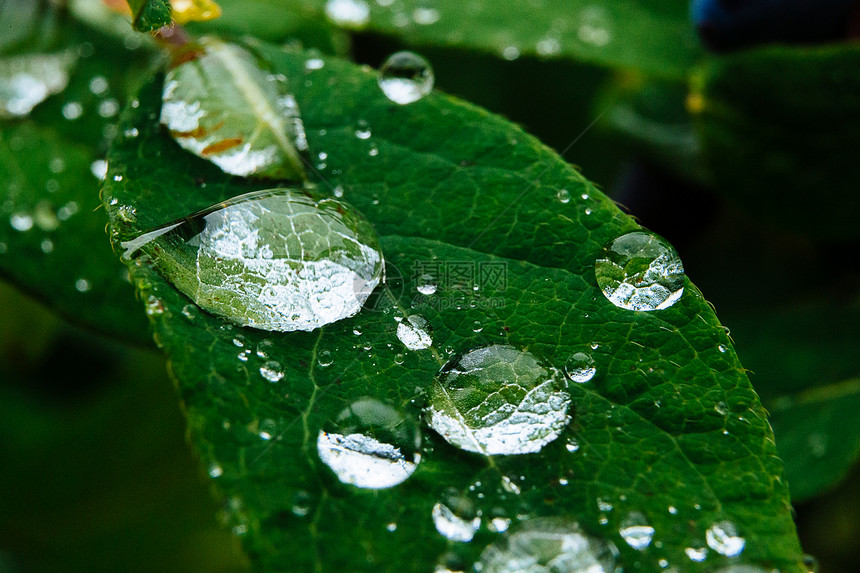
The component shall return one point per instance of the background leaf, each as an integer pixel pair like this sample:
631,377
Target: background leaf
670,419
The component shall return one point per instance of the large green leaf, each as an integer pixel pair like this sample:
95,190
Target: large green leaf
653,36
777,127
52,235
669,427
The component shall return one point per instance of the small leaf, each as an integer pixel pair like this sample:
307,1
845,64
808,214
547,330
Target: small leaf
221,105
149,15
667,426
819,436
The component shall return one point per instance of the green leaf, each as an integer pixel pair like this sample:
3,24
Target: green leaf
669,426
819,436
149,15
654,36
52,227
777,126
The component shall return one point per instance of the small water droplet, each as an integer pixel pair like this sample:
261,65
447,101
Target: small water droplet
426,285
271,371
353,14
21,222
580,367
215,471
563,196
392,527
301,505
724,539
455,518
72,110
548,544
811,563
83,285
548,46
47,246
510,485
722,348
370,445
425,16
399,358
405,77
98,85
640,271
510,53
325,359
108,108
28,80
314,63
414,332
499,400
697,554
636,531
99,169
572,445
673,510
274,260
477,326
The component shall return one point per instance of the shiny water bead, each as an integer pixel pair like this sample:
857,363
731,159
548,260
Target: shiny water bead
279,259
640,271
222,105
27,80
549,545
499,400
406,77
370,445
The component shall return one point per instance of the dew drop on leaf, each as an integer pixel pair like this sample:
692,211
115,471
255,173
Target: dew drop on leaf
274,260
405,77
636,531
27,80
221,105
426,285
370,445
548,545
271,371
580,367
414,332
455,518
498,400
640,271
724,539
348,13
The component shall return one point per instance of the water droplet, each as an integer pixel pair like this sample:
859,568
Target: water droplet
47,246
510,53
697,554
425,16
673,510
477,326
405,77
370,445
301,503
580,367
127,213
363,131
325,359
108,108
348,13
274,260
455,518
603,505
99,169
500,524
215,471
427,285
314,63
392,527
563,196
72,110
548,46
499,400
724,539
271,371
21,222
547,544
640,271
594,26
399,358
414,332
83,285
27,80
249,126
722,348
636,531
572,445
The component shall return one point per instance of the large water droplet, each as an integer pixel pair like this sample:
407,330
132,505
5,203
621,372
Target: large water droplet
414,332
348,13
222,106
580,367
640,271
27,80
549,545
274,260
405,77
499,400
370,445
724,539
455,518
636,531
